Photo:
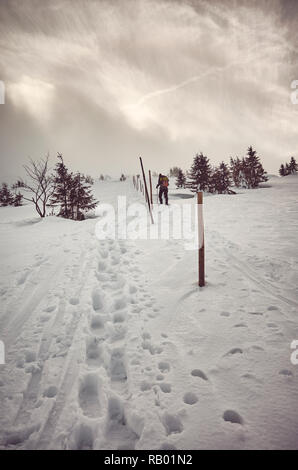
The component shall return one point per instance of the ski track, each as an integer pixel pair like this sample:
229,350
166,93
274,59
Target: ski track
94,370
248,271
111,361
64,319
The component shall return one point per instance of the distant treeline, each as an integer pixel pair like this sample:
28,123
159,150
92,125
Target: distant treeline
288,168
245,172
10,197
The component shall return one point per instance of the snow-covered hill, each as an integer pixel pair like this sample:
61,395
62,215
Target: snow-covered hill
110,344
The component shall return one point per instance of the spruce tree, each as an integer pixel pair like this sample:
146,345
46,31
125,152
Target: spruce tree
89,179
200,173
236,167
282,170
220,181
63,185
17,201
181,179
72,192
6,196
253,171
80,197
244,173
293,166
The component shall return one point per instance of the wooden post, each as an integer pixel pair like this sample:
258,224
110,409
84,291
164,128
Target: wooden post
150,181
146,191
201,259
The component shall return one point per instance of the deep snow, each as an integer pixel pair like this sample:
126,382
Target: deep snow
110,344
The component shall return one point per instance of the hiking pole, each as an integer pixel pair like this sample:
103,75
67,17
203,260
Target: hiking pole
146,191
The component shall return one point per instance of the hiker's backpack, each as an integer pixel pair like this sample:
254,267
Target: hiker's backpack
165,181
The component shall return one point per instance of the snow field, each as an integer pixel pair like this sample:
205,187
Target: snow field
110,344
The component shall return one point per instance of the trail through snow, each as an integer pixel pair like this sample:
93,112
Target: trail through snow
111,345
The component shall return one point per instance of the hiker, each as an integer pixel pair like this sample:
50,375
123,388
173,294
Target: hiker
163,183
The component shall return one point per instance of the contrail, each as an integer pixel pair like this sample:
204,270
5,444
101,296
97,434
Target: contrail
183,84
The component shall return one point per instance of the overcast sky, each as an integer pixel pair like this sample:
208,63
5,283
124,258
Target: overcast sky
106,81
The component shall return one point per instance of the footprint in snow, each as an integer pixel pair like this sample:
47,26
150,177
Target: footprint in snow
232,417
117,429
97,322
190,398
22,278
225,314
164,367
167,446
44,318
132,289
252,377
233,351
272,325
199,373
145,386
89,395
101,267
83,438
120,303
137,310
117,369
257,348
50,309
50,392
146,335
93,351
116,331
151,315
165,387
119,317
151,348
286,372
240,325
103,253
97,300
172,424
30,356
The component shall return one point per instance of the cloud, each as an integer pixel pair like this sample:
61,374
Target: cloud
36,96
179,76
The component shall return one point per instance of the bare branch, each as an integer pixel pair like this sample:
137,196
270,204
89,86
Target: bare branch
41,184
